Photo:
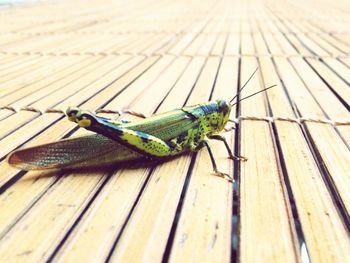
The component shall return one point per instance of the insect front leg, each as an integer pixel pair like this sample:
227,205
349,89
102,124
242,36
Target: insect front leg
148,145
223,139
215,168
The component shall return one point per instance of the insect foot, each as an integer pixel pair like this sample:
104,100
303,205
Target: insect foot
239,158
223,175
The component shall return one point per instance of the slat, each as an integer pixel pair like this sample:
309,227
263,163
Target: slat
310,192
323,95
265,216
314,204
130,182
105,66
337,84
26,133
201,235
339,68
23,85
51,83
290,200
15,121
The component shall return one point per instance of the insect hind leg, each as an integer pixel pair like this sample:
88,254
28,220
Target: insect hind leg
140,142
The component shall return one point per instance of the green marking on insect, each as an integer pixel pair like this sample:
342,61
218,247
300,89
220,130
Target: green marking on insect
153,138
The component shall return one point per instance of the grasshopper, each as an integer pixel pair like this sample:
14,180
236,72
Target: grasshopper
154,138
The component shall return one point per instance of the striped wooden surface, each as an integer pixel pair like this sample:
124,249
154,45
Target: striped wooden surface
290,201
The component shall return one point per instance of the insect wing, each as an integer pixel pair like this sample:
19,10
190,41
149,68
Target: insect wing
85,151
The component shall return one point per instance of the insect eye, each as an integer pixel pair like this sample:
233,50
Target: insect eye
222,107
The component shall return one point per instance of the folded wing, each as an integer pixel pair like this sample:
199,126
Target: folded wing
86,151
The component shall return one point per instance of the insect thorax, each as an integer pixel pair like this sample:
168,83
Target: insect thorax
211,116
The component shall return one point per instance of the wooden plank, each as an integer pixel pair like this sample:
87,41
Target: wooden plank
9,61
65,207
300,97
9,73
219,45
343,47
335,157
82,95
182,44
106,66
33,185
331,48
336,84
88,187
105,96
201,235
317,45
264,215
323,95
346,61
261,183
18,88
232,45
43,126
330,145
161,86
320,91
26,95
4,113
207,45
126,249
272,45
146,43
247,45
15,121
342,70
195,45
126,97
103,55
153,191
313,201
286,46
113,195
160,45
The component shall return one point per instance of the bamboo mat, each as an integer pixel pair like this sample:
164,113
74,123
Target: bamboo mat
290,201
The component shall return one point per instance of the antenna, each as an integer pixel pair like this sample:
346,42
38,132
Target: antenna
245,84
254,94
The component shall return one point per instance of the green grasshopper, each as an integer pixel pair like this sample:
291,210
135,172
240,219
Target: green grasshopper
154,138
